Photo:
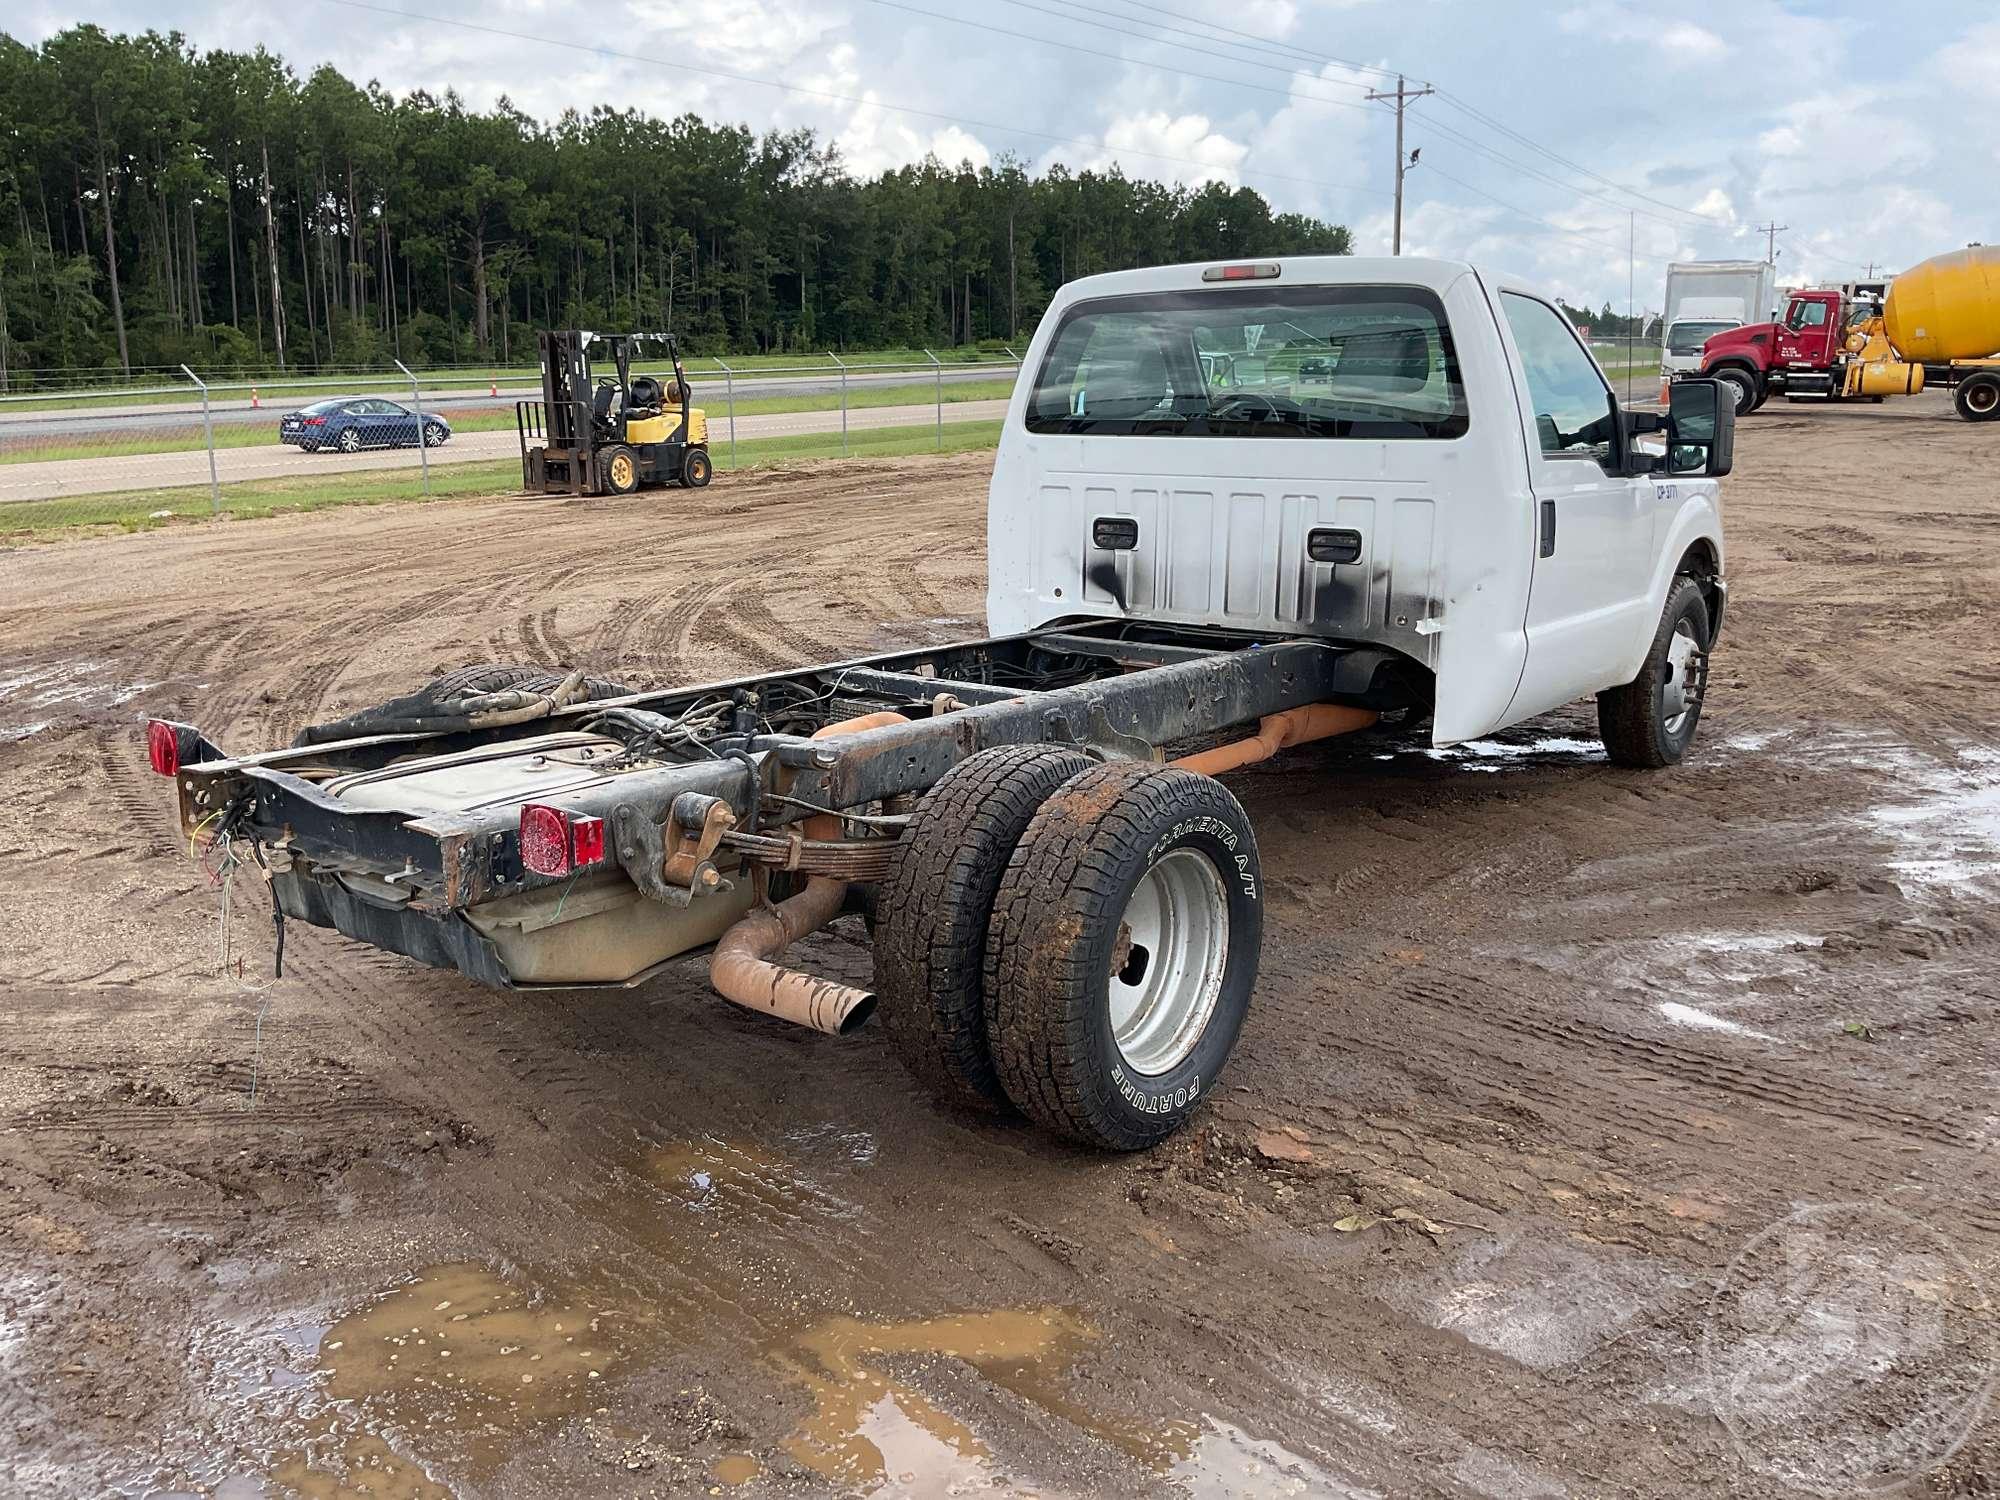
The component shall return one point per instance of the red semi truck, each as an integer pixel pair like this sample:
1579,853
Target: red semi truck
1939,324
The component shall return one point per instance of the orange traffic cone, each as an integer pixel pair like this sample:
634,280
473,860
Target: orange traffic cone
254,402
494,390
1666,385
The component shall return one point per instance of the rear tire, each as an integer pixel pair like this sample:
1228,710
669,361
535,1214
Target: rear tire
349,441
1650,721
1122,953
1978,398
932,913
697,469
1744,387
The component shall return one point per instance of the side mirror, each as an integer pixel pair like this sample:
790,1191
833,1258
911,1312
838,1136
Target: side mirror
1701,428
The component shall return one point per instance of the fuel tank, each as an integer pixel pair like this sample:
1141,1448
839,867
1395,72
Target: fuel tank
1947,308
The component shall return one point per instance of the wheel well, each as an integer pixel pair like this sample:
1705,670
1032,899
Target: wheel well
1740,366
1700,563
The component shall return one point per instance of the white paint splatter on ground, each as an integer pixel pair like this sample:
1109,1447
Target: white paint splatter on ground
1949,835
1501,755
1688,1015
71,685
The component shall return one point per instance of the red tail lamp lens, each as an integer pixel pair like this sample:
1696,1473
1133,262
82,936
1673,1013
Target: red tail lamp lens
554,842
312,421
1258,271
163,748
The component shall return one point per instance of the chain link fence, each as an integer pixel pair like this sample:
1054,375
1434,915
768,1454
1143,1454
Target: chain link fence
187,445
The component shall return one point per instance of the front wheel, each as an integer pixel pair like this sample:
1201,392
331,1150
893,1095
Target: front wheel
1978,398
434,434
1650,721
1743,389
620,467
1122,952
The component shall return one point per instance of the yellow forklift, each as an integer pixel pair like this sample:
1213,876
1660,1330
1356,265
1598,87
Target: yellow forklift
592,434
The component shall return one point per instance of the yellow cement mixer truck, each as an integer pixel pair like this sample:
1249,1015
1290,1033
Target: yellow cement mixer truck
1939,322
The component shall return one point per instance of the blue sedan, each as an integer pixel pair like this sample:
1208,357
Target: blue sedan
366,422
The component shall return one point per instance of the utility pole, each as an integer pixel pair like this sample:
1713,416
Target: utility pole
1402,96
1771,232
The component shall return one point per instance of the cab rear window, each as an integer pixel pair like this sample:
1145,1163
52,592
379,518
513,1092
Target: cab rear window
1310,362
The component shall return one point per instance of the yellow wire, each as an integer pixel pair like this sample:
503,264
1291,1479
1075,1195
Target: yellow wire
195,833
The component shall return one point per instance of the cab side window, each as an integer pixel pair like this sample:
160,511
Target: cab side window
1807,315
1572,404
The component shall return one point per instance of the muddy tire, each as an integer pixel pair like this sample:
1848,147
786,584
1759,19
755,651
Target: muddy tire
1978,398
1650,721
1122,953
697,469
931,914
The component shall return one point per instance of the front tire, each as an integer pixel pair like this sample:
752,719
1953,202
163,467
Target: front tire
1650,721
434,434
1978,398
620,467
1744,387
1122,953
932,915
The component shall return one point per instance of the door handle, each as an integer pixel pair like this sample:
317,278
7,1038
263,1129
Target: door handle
1333,544
1548,548
1114,533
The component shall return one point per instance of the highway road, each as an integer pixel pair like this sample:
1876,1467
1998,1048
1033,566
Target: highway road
54,480
116,423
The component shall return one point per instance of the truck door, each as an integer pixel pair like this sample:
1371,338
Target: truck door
1594,527
1807,334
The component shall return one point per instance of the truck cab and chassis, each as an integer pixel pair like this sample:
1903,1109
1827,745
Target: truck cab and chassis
1234,508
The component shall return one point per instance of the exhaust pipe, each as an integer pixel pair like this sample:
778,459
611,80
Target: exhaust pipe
741,969
1275,732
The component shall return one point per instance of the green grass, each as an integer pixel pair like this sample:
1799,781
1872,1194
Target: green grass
139,510
263,435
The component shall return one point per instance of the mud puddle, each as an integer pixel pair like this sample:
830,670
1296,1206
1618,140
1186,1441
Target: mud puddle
457,1373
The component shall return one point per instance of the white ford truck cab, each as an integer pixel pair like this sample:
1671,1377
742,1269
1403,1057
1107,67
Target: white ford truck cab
1416,454
1257,504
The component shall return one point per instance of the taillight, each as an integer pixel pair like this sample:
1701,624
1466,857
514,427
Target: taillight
554,842
163,748
312,421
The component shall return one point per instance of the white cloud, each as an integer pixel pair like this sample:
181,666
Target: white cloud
1138,142
1680,43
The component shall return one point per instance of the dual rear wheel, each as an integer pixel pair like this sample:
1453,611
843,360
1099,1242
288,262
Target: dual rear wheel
1071,940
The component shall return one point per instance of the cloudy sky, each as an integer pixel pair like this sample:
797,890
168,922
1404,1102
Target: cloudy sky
1560,133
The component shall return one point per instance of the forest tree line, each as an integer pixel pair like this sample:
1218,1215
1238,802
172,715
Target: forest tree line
160,205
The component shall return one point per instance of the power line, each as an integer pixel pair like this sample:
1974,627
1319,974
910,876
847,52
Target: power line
833,97
1301,54
1520,212
1122,26
1305,52
1448,97
1770,233
1118,57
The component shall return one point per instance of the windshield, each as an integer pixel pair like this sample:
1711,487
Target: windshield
1687,338
1339,362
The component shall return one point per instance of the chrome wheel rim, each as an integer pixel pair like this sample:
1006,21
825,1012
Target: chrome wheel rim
1680,693
433,436
349,441
1167,966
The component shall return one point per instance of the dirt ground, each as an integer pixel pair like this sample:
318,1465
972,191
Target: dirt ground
1593,1133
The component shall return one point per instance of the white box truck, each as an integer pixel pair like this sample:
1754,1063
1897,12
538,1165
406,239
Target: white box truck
1707,297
